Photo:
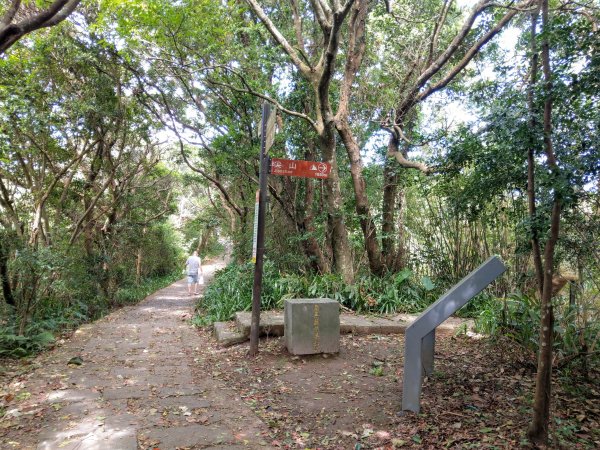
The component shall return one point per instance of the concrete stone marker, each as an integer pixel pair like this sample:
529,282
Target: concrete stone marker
420,336
312,326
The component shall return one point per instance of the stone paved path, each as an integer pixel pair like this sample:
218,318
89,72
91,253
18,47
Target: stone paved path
137,388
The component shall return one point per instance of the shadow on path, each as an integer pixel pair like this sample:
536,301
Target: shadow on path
135,389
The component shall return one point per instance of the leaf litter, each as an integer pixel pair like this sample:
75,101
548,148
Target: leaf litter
477,397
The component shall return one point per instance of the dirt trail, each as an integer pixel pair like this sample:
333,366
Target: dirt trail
134,390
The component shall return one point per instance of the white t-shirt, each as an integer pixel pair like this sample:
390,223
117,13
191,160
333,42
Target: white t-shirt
193,265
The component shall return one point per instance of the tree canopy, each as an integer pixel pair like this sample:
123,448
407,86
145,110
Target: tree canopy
129,134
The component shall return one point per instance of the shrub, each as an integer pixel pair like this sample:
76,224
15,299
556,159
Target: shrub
231,291
55,317
34,340
576,328
134,293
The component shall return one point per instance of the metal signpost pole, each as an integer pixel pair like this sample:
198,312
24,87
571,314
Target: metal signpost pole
260,233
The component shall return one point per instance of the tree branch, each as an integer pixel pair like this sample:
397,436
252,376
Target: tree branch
304,68
249,90
12,32
437,29
10,13
411,164
327,62
213,180
356,51
298,25
78,228
436,65
469,55
323,15
62,14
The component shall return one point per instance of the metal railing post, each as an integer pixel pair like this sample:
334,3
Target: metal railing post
419,340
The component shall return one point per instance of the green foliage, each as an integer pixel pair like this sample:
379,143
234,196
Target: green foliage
377,371
200,233
518,317
52,318
478,305
135,293
231,291
14,346
83,220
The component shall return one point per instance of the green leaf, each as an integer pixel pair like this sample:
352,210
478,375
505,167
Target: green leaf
427,283
403,275
45,338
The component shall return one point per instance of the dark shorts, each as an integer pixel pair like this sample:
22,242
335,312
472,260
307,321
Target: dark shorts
192,279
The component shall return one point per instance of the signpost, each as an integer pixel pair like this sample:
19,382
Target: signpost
260,228
305,169
274,166
255,232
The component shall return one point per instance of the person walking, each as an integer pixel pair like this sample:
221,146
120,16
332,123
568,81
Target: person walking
193,266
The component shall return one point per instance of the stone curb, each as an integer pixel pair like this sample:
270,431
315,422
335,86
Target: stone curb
272,324
225,336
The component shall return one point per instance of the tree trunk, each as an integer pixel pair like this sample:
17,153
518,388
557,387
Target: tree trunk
388,207
393,210
362,202
4,276
138,266
354,57
203,242
342,255
538,429
306,212
29,292
535,242
400,257
311,246
138,261
327,242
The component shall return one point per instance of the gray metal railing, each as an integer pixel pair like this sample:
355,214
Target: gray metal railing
420,335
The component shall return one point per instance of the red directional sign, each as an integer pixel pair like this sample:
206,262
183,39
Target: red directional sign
295,168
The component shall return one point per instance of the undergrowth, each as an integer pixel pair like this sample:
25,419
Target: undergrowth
54,318
231,291
576,338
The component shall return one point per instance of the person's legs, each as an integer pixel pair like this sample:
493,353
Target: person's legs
192,280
